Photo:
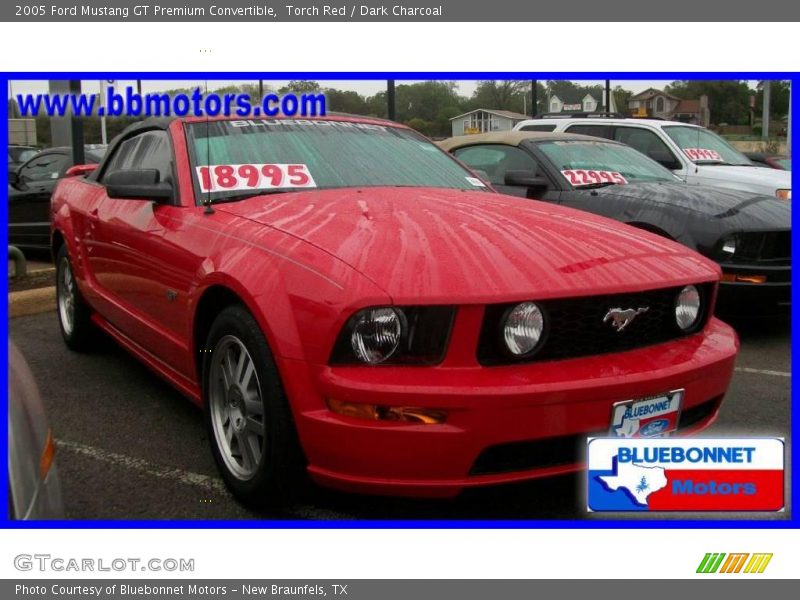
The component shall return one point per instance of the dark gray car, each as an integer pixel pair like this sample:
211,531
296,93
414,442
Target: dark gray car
29,190
748,234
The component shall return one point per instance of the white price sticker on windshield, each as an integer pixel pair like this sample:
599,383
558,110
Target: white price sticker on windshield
475,181
580,177
230,178
703,154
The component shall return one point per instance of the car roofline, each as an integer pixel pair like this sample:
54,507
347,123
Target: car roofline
517,138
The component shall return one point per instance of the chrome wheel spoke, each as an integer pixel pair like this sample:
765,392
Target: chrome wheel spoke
254,426
244,370
229,435
226,369
252,403
249,461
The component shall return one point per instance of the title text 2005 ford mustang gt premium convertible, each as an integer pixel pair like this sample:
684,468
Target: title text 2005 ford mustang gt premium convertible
345,300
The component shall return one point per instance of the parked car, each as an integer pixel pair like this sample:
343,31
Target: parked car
773,161
346,300
29,189
19,154
34,486
695,154
748,234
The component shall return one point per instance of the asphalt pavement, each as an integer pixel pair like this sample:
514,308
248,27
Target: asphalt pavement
130,447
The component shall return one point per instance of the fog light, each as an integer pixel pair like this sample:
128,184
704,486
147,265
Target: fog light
736,278
375,412
523,328
687,307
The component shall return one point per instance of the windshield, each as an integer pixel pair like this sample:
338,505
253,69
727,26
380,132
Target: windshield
705,147
240,158
583,163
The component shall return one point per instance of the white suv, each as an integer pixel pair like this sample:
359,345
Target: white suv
694,153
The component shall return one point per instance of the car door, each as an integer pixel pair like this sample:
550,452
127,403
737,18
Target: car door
497,160
29,199
144,276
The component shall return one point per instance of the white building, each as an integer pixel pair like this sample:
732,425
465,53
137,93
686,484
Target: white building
484,120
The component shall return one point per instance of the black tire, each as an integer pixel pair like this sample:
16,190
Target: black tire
280,478
82,334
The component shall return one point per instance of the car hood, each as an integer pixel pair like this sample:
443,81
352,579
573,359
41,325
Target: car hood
758,177
469,246
724,209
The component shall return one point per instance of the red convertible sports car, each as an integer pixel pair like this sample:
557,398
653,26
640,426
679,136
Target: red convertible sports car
346,301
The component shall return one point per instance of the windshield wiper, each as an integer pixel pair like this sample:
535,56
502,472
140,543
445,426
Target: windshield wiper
248,195
594,186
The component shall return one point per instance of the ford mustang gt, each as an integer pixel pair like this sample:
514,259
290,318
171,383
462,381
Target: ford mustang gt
747,233
348,302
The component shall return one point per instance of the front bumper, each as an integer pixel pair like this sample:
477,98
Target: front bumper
504,424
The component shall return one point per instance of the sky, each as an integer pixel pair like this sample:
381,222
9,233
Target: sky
365,88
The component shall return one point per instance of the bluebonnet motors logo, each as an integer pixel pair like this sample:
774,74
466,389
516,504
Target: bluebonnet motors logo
700,474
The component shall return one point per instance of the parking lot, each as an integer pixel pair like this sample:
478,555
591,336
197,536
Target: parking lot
132,448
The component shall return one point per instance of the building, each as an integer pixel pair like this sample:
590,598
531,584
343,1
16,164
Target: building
573,103
653,103
484,120
22,132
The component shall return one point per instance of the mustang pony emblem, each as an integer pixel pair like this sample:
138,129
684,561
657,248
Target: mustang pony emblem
620,318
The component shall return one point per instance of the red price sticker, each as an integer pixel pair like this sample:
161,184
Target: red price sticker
703,154
580,177
228,178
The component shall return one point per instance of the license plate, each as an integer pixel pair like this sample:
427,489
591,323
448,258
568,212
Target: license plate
654,416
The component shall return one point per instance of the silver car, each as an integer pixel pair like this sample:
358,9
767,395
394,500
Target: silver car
34,487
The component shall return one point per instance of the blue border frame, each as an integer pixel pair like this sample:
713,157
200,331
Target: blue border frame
792,523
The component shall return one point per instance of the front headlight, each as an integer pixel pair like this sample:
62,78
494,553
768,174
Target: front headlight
783,194
728,247
687,308
409,335
376,334
522,328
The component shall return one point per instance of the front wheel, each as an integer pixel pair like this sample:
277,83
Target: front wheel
248,418
74,315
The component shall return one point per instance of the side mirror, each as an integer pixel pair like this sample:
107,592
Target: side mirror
80,170
527,179
138,184
13,178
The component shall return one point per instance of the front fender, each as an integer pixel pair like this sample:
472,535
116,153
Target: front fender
300,300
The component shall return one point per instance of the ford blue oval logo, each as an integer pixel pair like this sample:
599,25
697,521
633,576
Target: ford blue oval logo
654,427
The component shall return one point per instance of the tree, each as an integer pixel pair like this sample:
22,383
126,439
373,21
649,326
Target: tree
728,99
420,125
501,95
345,101
621,98
424,100
301,86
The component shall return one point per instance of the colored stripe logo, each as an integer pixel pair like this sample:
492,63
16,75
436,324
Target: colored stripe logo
738,562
